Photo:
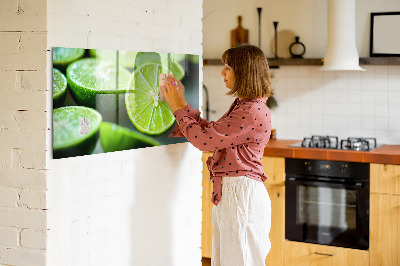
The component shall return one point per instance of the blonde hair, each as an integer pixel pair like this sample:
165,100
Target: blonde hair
250,66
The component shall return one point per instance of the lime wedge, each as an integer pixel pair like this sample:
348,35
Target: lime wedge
117,138
90,77
143,105
64,56
69,139
125,58
59,88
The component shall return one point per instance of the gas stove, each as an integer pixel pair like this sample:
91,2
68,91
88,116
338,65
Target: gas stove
332,142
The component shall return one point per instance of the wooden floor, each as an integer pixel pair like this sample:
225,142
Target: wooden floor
206,261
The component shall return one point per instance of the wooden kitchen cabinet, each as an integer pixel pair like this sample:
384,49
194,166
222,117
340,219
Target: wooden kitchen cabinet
385,178
206,232
306,254
274,168
384,236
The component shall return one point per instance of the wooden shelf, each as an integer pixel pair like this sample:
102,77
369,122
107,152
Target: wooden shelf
274,63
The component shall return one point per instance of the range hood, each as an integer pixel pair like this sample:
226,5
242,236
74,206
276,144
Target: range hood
341,51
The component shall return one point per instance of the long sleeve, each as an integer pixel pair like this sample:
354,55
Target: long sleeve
193,113
229,131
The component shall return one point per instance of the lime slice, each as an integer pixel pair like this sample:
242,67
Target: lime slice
162,58
125,58
90,77
143,105
59,88
64,56
117,138
68,138
194,58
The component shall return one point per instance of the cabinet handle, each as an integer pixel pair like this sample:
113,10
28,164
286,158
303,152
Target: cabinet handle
325,254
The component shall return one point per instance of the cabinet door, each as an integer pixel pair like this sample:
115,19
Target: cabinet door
206,233
274,168
277,233
385,178
384,236
305,254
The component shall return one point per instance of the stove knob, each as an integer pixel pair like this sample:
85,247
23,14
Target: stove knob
343,168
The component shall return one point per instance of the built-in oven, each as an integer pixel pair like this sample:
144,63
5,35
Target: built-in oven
327,202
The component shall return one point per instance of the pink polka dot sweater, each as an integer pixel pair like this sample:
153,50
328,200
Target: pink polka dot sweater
238,139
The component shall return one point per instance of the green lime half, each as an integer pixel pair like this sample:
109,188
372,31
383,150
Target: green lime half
143,105
89,77
117,138
59,88
125,58
71,137
63,56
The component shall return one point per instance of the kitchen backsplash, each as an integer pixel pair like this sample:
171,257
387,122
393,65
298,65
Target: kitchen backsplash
314,102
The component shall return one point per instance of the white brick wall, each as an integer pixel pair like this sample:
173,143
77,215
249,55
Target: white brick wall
98,207
23,128
138,207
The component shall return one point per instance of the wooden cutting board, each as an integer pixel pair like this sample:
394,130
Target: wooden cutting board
239,35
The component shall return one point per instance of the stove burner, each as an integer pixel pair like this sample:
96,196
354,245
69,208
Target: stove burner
358,144
328,142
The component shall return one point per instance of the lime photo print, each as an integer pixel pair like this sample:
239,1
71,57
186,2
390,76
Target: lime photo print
109,100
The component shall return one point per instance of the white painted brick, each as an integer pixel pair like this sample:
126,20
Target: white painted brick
8,197
17,256
33,159
31,55
5,158
23,218
7,80
33,199
34,120
108,41
8,237
23,100
23,178
23,139
33,239
190,22
9,42
23,15
32,80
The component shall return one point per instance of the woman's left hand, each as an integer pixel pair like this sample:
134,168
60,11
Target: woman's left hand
171,94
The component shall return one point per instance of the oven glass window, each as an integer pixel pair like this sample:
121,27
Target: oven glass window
324,206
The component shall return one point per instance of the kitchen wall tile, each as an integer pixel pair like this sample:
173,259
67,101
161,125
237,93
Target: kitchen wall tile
291,71
355,122
367,96
394,97
394,137
394,123
329,109
381,110
394,83
367,122
323,97
342,96
292,83
381,97
355,132
367,110
381,136
355,96
394,110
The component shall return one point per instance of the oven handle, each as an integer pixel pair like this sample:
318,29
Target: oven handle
357,185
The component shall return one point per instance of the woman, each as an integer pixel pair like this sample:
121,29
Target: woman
241,213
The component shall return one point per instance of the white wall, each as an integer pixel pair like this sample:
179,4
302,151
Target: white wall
23,132
304,18
135,207
311,102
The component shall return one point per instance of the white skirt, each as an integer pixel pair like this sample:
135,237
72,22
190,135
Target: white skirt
241,223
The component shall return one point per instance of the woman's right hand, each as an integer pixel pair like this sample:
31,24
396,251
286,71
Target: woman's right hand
181,91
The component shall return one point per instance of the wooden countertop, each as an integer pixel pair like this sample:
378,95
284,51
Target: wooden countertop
389,154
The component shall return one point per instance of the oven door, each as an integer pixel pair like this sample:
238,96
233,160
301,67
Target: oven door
327,213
